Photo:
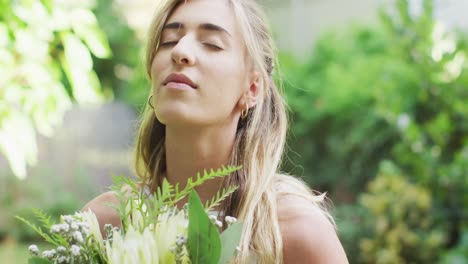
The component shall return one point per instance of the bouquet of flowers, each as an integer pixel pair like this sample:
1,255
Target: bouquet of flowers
153,229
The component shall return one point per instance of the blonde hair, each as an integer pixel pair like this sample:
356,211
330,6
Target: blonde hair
258,147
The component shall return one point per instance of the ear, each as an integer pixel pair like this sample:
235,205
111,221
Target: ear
250,95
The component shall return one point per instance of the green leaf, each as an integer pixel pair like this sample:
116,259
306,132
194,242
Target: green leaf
203,237
230,240
4,38
18,141
37,260
86,27
78,67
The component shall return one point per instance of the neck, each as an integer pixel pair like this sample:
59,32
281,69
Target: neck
192,150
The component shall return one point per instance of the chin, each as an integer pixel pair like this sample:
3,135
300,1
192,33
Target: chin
176,117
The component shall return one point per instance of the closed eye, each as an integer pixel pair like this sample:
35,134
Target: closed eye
169,44
212,46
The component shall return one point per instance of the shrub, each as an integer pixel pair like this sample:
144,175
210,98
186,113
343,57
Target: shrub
404,229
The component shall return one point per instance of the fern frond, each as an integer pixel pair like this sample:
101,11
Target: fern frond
166,195
38,230
221,172
47,224
220,196
183,256
43,218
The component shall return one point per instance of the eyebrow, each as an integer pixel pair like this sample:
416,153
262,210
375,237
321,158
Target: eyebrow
205,26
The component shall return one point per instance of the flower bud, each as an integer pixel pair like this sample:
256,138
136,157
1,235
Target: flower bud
75,250
34,250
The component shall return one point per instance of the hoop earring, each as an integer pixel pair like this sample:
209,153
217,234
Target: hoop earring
149,101
245,112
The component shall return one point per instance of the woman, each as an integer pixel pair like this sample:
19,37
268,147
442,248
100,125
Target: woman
214,103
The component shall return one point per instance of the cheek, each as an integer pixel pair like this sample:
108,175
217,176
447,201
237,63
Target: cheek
234,77
156,67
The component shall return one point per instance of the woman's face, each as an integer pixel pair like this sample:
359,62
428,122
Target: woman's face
199,73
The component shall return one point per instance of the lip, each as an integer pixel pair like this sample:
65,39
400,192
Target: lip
179,78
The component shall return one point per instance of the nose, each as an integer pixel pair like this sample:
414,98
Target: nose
183,53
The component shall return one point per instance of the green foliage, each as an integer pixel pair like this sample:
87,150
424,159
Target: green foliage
52,210
334,130
165,196
45,221
404,226
354,223
18,198
203,236
64,236
458,254
205,244
142,213
397,92
124,74
46,61
230,240
430,111
37,260
219,197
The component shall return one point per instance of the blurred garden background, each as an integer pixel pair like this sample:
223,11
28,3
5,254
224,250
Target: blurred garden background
377,92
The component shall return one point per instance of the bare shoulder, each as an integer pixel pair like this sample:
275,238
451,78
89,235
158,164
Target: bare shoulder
101,206
308,235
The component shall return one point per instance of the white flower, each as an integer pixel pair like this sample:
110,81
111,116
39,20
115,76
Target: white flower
55,229
49,254
213,218
34,250
61,249
169,226
89,218
74,226
135,247
84,227
137,219
230,220
78,237
181,240
67,219
403,121
75,250
65,227
138,212
173,249
62,259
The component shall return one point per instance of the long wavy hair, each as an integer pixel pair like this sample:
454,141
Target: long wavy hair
258,147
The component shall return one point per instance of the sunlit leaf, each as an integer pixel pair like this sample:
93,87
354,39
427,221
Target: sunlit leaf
49,111
76,53
78,67
4,39
86,27
17,141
